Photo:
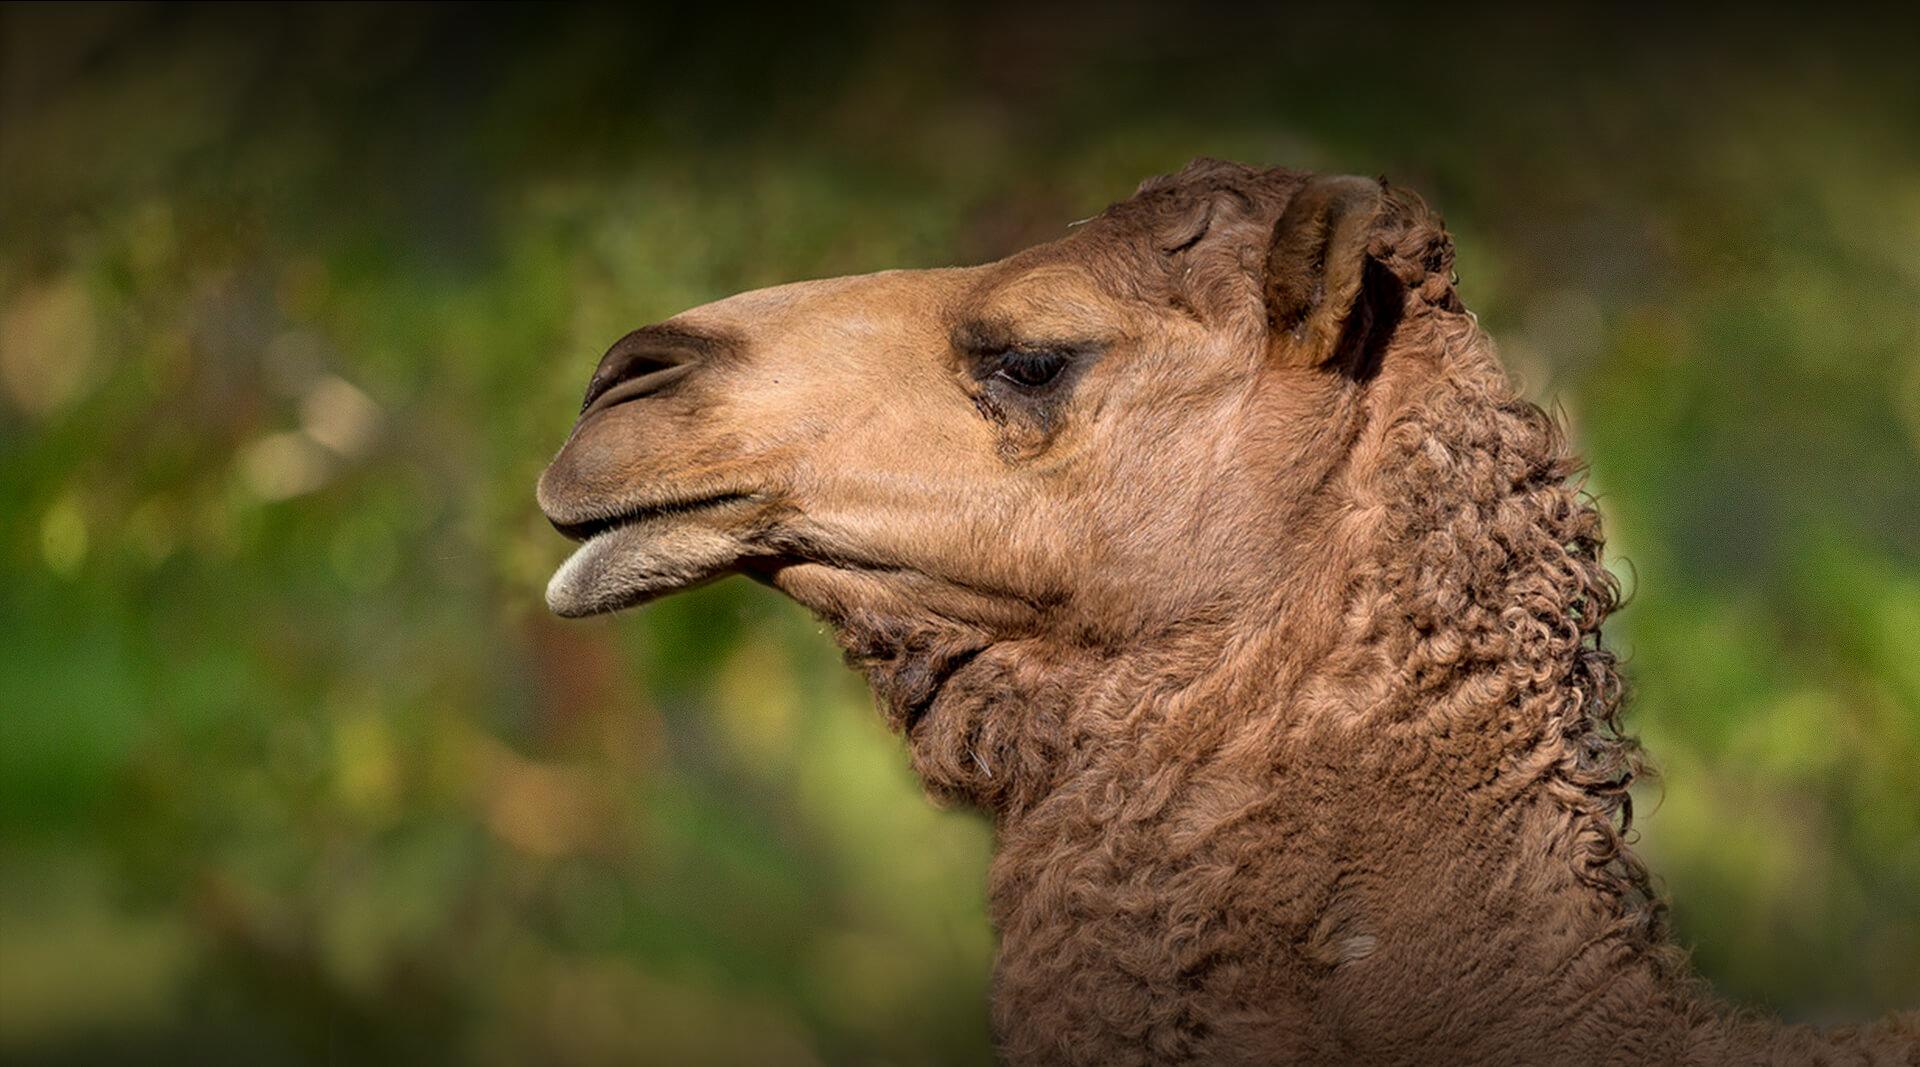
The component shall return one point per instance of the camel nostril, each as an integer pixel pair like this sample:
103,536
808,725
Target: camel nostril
629,367
646,361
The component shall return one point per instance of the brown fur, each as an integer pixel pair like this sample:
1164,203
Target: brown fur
1269,635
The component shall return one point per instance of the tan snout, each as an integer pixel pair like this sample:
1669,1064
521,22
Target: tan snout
660,497
735,432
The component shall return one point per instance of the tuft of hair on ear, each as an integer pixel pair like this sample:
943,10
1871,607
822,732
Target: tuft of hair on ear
1345,257
1412,242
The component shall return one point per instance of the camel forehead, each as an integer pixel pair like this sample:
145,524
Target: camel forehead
1026,300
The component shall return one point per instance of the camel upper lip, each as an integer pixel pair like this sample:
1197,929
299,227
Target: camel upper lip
587,529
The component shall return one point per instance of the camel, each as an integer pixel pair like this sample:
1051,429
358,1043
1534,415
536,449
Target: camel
1212,554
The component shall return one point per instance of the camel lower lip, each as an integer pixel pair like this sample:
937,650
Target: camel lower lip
588,529
629,564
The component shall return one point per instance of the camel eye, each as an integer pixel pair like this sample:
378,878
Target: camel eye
1030,369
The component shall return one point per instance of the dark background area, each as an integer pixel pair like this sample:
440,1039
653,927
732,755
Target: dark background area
295,304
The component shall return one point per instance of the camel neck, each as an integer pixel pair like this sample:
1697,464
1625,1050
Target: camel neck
1381,818
1205,883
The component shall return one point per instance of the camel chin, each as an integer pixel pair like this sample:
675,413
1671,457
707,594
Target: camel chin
628,565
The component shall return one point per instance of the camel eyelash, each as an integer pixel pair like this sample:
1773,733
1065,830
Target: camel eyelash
1030,368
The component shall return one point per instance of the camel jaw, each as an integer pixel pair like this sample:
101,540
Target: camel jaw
628,562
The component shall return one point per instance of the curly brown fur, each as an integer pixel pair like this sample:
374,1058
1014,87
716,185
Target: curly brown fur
1270,637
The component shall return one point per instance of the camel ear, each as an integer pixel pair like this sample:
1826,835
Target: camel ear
1329,302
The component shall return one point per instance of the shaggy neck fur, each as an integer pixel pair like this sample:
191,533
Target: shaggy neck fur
1399,839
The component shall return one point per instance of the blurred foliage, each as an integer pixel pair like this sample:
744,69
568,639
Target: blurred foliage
294,305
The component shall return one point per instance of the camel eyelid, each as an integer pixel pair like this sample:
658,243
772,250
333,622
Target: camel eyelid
992,349
989,337
1031,367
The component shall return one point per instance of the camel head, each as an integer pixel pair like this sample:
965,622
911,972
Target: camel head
1095,440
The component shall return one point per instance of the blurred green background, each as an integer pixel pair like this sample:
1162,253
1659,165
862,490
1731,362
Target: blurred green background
294,304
